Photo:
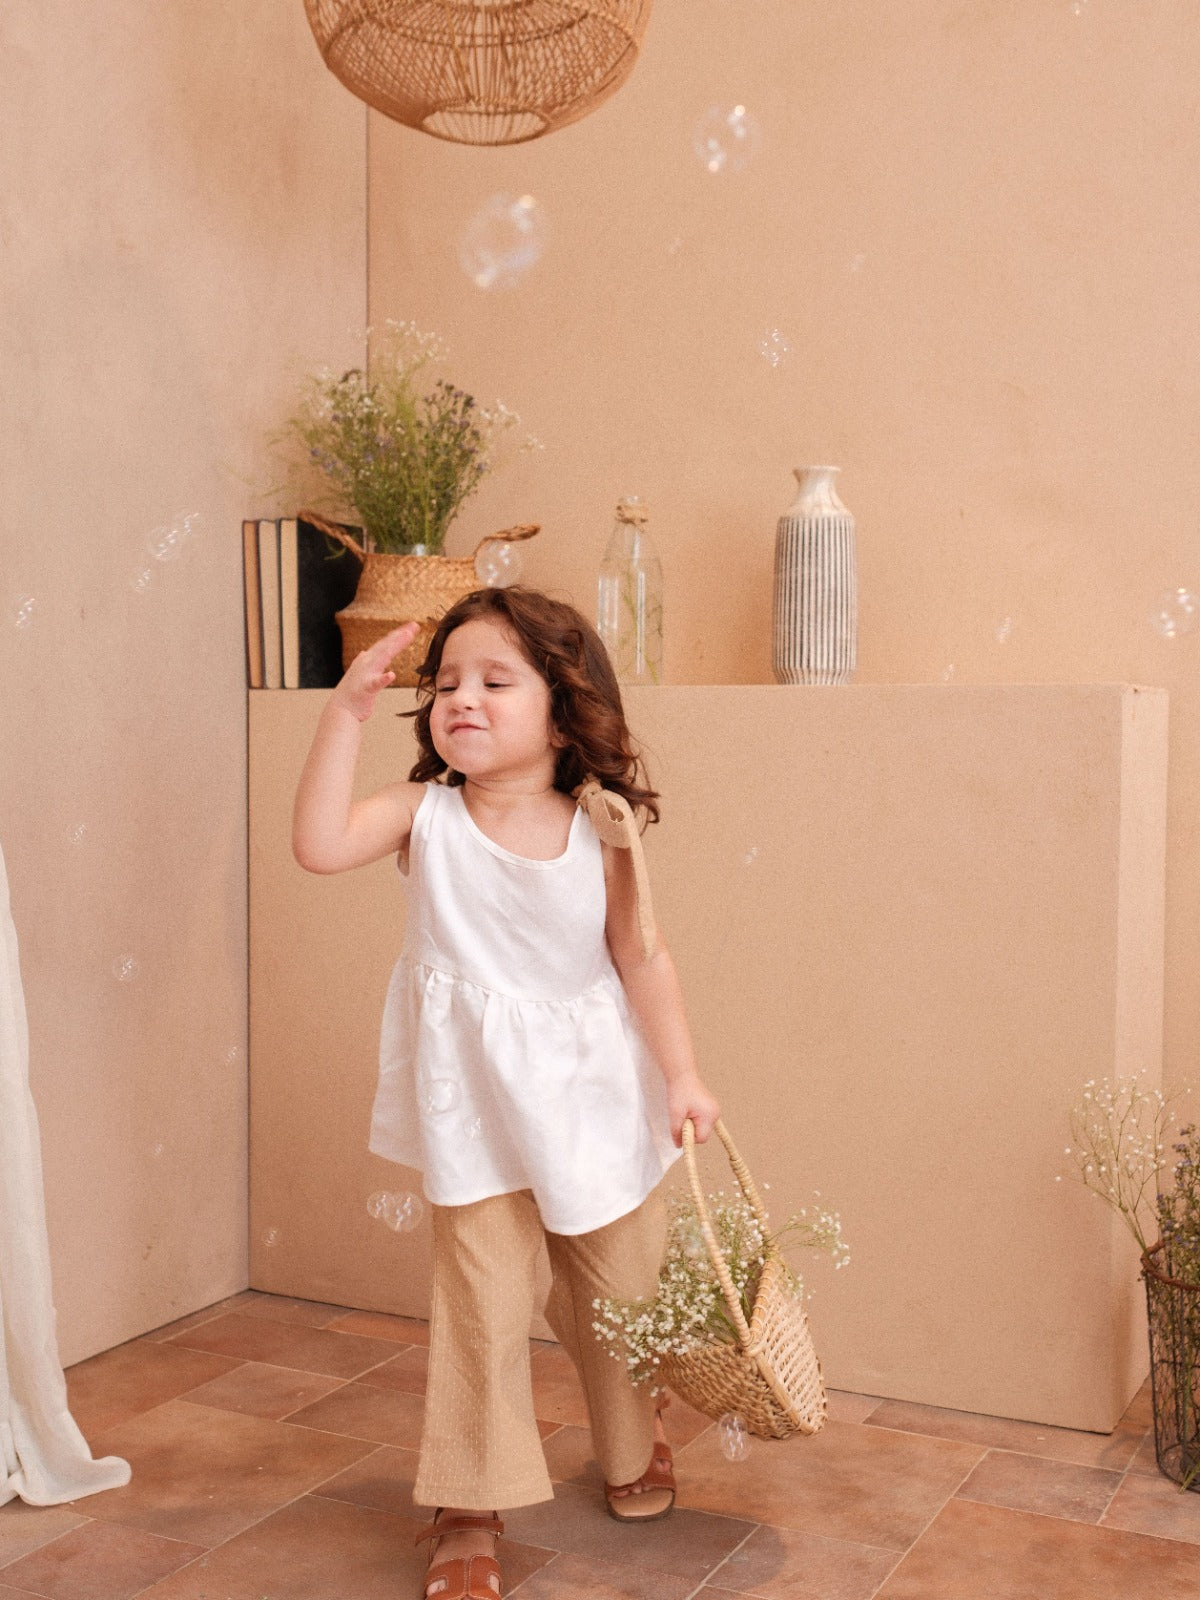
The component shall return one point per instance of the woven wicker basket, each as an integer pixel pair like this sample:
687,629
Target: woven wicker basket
481,71
771,1377
394,589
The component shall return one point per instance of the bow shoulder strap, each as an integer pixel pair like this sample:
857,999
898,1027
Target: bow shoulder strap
616,825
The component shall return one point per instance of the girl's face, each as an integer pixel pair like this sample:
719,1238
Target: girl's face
490,718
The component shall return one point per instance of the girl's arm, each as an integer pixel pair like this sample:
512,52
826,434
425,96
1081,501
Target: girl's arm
330,830
656,999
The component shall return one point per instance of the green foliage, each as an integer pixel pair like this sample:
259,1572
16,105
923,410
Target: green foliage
400,460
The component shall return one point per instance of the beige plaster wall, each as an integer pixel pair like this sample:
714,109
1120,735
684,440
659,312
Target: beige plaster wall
182,224
978,227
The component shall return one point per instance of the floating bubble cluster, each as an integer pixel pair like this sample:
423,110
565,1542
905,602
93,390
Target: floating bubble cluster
498,563
751,856
125,969
77,832
271,1238
401,1212
502,241
733,1437
474,1129
26,606
725,139
439,1096
774,347
1174,613
141,580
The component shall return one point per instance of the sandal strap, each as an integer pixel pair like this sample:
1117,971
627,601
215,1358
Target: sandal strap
477,1578
660,1474
440,1526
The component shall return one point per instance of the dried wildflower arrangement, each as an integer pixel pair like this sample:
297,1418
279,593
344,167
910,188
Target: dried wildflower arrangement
1119,1133
689,1309
398,460
1179,1210
1119,1150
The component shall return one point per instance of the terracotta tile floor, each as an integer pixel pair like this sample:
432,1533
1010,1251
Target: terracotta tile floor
273,1451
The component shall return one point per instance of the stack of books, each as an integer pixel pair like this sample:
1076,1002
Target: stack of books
296,579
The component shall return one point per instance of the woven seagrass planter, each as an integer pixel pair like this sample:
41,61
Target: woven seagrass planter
1174,1312
404,588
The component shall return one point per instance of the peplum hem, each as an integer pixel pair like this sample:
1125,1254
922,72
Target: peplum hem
486,1093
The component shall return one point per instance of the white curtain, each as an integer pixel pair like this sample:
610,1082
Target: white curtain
43,1456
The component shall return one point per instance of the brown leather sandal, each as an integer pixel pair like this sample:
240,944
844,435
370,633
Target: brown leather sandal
464,1577
647,1503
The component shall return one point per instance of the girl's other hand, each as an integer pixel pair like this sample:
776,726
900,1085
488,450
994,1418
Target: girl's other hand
687,1097
369,672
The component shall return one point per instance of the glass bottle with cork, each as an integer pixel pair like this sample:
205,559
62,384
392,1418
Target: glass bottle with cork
629,612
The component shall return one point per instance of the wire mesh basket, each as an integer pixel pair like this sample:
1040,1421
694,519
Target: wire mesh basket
1173,1307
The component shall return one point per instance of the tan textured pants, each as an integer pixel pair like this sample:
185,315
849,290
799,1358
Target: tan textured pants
480,1448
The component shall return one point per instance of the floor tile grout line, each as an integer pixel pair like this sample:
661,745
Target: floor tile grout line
1000,1449
714,1570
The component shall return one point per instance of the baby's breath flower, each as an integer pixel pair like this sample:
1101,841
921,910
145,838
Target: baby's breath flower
690,1309
1118,1128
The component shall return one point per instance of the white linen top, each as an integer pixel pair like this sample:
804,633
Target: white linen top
509,1058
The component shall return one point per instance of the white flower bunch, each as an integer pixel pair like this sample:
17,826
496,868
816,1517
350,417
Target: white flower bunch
689,1309
1119,1131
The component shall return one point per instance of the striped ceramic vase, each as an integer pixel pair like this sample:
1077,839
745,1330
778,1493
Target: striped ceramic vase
816,599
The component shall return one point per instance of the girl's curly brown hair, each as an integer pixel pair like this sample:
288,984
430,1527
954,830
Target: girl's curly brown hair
585,698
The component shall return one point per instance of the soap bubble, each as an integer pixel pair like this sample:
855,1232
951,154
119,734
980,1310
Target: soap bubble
125,969
1004,631
948,673
498,563
474,1128
858,262
502,241
1174,613
401,1212
733,1437
158,1150
233,1055
725,138
441,1095
26,606
774,347
271,1238
164,543
77,832
141,580
751,856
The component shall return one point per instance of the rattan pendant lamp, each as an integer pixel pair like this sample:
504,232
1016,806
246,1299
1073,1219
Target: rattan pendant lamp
481,71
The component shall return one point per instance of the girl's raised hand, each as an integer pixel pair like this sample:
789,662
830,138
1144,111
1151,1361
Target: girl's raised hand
369,672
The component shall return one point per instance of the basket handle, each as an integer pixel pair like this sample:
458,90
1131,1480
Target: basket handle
523,530
334,530
715,1254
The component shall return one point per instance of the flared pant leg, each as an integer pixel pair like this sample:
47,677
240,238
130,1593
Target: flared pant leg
480,1447
621,1260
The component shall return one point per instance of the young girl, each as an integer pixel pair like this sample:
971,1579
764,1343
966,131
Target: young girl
535,1061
